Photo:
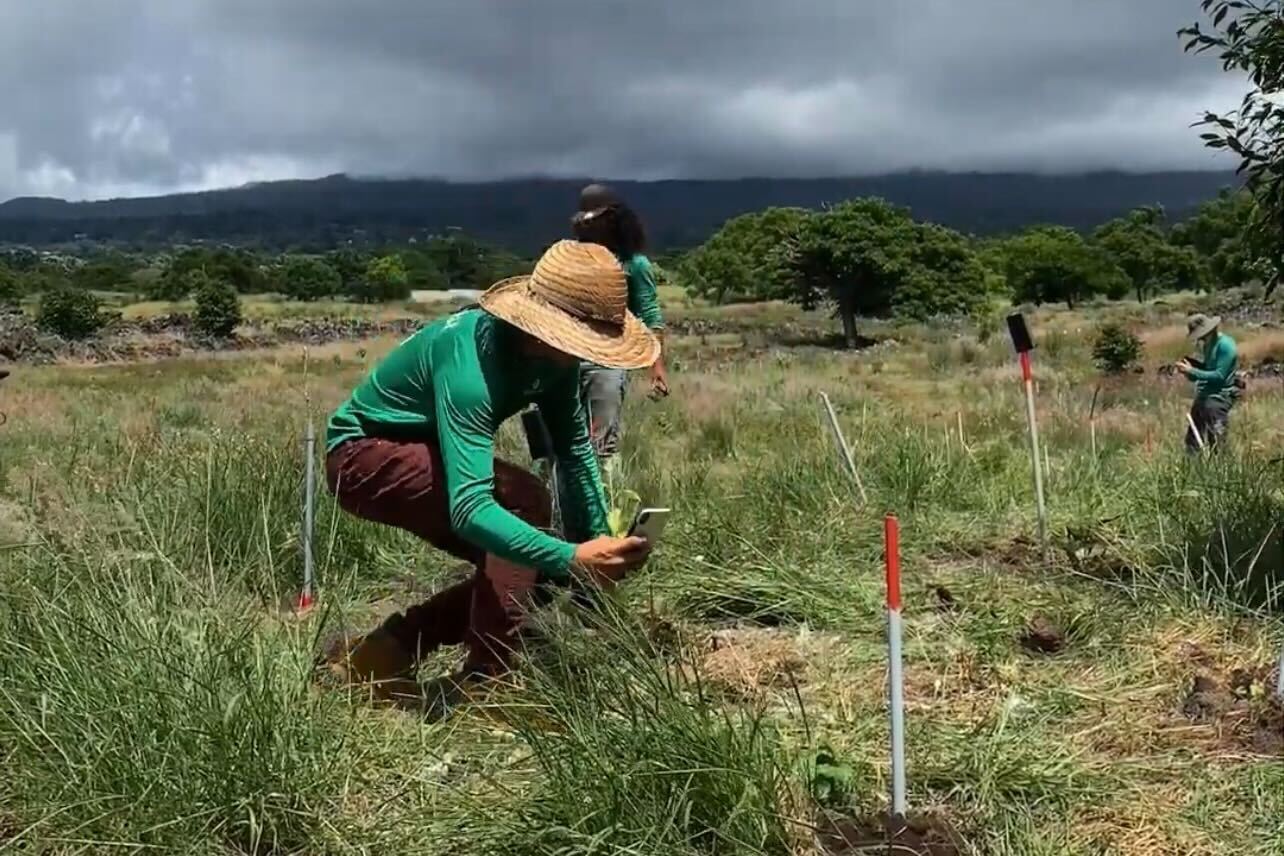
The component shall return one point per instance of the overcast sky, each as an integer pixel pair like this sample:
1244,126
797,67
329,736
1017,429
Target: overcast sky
126,97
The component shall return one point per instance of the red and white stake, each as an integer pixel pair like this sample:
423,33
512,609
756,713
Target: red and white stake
895,674
1027,376
309,490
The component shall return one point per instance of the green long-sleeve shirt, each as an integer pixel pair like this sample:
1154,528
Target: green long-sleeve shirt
455,381
644,294
1217,378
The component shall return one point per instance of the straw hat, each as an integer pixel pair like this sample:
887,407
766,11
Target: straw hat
1198,326
576,300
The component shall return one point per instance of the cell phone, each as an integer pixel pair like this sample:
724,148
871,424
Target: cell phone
537,442
649,524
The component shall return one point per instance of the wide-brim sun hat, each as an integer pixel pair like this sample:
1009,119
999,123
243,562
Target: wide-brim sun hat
1199,326
576,300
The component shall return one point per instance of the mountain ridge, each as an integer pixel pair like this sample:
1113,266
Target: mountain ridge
527,213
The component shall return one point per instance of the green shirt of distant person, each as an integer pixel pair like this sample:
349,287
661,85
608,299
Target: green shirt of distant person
1215,379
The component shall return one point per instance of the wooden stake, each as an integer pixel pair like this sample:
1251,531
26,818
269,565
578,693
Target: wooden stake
1027,376
1190,420
844,450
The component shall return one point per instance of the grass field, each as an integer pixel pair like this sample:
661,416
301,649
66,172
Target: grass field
156,694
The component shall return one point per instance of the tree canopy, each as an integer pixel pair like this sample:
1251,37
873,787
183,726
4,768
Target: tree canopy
746,259
1052,264
1248,36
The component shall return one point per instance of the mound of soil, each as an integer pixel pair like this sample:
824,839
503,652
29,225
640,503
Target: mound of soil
1241,708
918,835
747,660
1043,636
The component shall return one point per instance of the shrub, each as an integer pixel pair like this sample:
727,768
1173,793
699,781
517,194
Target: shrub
69,313
218,309
1116,349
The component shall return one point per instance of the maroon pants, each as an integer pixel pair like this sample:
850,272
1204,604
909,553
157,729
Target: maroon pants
400,484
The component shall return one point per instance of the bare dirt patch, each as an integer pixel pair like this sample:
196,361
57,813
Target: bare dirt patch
1018,553
918,835
1042,635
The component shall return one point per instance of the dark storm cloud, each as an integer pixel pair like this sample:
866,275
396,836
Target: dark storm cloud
126,96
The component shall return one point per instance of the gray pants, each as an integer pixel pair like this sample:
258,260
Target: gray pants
1212,419
602,391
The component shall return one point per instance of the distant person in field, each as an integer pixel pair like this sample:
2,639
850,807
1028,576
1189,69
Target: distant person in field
1217,384
414,447
603,218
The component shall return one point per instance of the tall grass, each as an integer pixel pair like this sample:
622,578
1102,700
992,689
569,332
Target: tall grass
152,696
629,755
138,712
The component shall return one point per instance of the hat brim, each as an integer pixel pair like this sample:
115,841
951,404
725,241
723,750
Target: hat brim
1208,326
627,346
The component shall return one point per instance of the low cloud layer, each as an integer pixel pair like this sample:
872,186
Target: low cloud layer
125,97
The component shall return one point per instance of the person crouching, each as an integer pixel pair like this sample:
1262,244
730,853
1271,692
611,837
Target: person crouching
414,447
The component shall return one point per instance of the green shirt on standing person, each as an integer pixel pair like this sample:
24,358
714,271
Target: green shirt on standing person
1217,377
455,381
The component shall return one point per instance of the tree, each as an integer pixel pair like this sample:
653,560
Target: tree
466,263
746,258
1220,233
855,254
308,278
109,273
351,266
945,276
1050,264
1248,35
422,272
178,286
1138,245
385,279
238,268
70,313
218,308
10,288
871,258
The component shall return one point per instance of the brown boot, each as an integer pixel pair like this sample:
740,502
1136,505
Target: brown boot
379,660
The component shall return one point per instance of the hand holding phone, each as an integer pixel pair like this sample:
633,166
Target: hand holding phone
607,560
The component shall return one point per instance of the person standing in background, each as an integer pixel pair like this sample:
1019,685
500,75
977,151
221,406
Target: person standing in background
1216,383
603,218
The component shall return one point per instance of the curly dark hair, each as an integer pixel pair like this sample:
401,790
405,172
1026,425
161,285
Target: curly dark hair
606,219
